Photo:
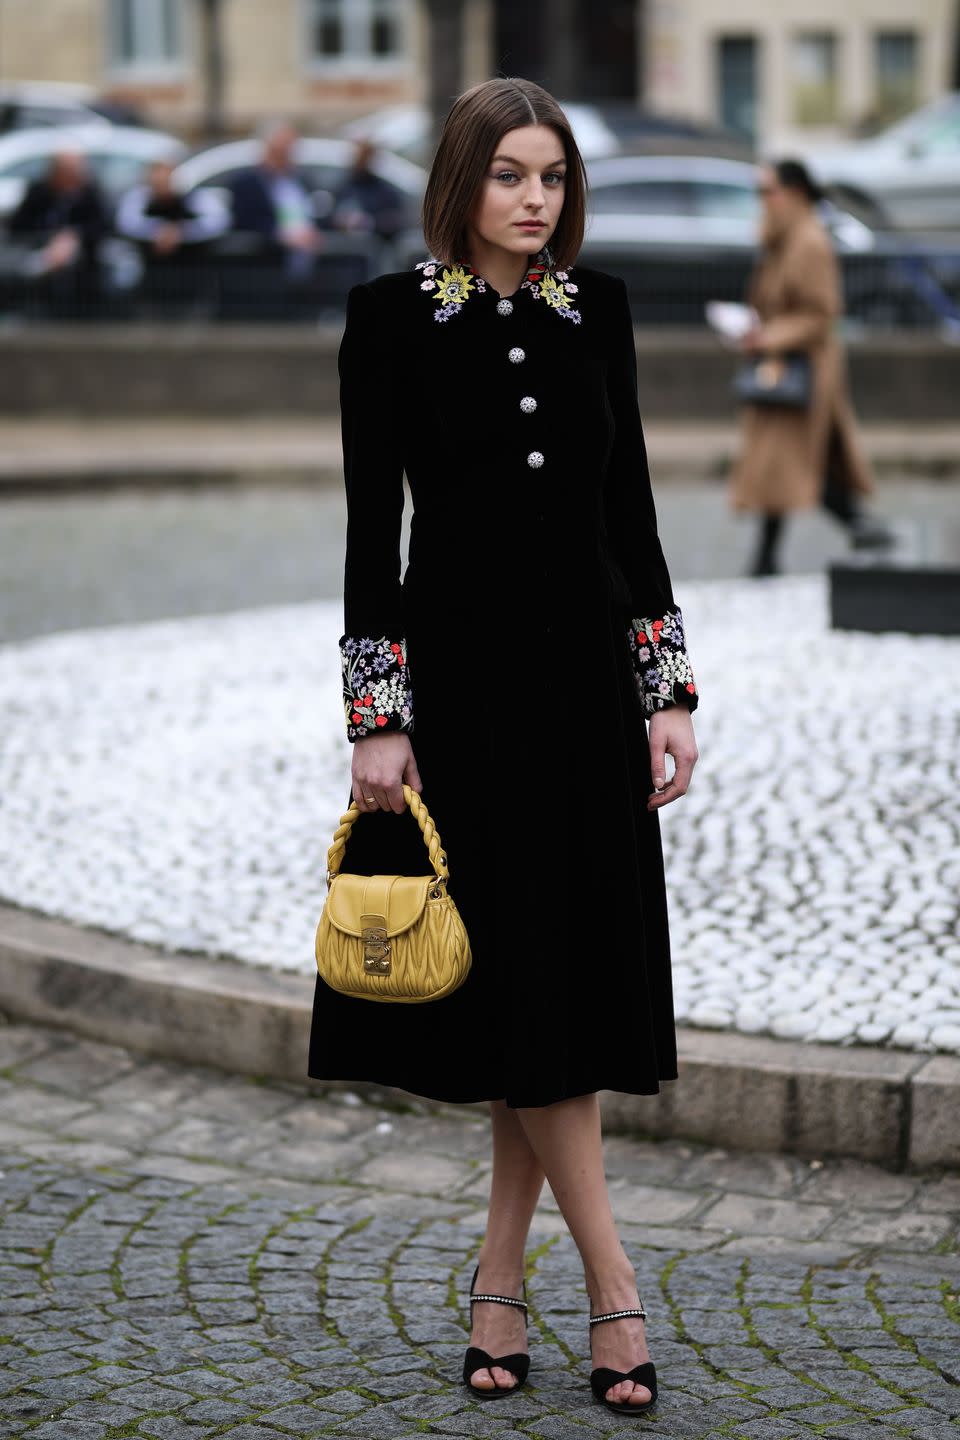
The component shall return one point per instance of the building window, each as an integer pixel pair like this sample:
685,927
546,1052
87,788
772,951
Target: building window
356,32
896,64
736,71
813,79
145,34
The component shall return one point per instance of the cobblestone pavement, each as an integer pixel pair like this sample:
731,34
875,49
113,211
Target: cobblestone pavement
70,561
189,1254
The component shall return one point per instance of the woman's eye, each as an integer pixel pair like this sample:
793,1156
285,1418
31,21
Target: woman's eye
557,175
505,175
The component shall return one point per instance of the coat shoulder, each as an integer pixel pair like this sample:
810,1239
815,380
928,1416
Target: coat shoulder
602,282
389,294
604,295
605,302
811,242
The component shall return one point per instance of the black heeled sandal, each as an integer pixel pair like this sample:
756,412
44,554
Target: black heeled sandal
477,1359
602,1378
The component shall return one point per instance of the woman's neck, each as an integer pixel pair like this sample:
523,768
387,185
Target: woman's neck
501,269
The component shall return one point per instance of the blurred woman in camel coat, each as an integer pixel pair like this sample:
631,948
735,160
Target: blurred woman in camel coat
791,459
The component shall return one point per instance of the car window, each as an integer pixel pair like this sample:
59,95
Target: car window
31,167
317,177
117,173
641,197
31,115
722,200
942,135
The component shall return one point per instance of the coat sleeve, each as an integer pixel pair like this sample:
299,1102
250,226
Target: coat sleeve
654,624
813,281
373,650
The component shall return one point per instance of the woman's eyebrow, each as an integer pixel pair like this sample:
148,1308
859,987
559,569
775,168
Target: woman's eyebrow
561,161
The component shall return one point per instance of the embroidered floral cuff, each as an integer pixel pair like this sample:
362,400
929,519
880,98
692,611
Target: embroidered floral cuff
662,666
376,685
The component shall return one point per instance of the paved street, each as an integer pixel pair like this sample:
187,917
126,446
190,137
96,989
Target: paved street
68,561
189,1254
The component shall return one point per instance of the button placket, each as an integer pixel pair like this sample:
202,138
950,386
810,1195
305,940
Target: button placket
516,354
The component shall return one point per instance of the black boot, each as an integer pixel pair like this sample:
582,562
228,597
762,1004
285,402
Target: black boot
765,561
868,532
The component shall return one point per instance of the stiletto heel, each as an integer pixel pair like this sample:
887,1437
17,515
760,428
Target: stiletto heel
477,1359
602,1378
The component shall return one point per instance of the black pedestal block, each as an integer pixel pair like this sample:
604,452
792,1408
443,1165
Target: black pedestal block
894,594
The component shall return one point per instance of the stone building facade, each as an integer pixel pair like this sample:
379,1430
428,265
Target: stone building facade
775,70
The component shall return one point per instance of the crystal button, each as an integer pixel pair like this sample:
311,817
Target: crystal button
528,404
504,307
516,354
535,459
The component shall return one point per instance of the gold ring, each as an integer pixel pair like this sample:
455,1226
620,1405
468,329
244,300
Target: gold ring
370,799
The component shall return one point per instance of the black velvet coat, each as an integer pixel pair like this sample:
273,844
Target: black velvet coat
533,632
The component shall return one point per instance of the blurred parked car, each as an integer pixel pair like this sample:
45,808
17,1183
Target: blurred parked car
907,176
34,103
323,161
642,132
116,154
683,202
682,230
606,128
404,129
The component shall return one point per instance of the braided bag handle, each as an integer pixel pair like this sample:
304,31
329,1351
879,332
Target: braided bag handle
421,814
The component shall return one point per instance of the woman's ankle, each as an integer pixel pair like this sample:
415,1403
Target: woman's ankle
612,1287
501,1269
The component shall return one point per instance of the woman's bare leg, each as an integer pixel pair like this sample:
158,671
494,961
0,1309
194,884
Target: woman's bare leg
514,1191
566,1140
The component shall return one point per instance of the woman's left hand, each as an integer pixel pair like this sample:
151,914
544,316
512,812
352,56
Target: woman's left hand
671,733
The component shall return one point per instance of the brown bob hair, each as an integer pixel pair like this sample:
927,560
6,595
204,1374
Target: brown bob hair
475,124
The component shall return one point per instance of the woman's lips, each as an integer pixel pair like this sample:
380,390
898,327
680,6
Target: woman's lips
530,224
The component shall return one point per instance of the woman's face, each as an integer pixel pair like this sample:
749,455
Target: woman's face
781,204
525,181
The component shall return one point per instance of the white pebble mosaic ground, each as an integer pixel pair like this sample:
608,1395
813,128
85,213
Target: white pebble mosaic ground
178,783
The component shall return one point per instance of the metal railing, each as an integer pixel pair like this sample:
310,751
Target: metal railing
900,284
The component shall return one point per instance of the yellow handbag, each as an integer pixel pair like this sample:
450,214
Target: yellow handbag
391,937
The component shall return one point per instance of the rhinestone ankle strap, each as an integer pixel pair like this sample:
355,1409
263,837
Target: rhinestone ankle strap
618,1315
501,1300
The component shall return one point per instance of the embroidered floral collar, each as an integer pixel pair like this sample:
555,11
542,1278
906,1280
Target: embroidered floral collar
458,282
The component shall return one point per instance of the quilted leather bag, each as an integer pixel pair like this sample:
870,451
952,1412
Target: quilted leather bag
391,937
781,380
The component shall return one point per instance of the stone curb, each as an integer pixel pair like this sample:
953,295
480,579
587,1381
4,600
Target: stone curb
37,461
893,1107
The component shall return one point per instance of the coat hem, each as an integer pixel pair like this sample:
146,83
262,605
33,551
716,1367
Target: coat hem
455,1096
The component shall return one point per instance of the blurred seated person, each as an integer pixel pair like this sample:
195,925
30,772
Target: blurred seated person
366,202
62,218
172,231
272,200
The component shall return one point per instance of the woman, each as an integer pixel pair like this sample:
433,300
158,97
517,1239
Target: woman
791,459
513,671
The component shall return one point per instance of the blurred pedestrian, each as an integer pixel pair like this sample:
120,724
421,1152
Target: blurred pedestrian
172,231
797,455
364,201
63,218
272,199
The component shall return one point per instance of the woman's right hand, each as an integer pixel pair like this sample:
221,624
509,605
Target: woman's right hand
382,765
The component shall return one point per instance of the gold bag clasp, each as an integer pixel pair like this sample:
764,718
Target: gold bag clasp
376,946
